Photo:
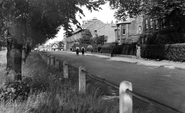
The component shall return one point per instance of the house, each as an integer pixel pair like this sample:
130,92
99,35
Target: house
69,41
129,31
54,46
150,26
96,27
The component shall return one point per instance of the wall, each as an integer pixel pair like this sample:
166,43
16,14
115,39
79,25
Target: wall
107,30
93,25
101,28
133,29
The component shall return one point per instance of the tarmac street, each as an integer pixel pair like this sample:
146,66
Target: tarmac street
160,81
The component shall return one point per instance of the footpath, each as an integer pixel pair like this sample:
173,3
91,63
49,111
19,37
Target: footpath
139,61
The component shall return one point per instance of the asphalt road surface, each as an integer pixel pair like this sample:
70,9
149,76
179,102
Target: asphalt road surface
161,84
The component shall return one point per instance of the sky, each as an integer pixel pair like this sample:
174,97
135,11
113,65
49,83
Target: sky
106,15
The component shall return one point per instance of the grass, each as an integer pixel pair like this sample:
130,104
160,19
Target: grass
51,93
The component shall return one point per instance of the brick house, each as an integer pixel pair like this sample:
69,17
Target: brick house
150,26
129,31
138,29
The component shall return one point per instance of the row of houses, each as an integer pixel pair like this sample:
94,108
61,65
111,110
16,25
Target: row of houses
124,32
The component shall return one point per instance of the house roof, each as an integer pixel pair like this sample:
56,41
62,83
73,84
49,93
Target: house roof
126,22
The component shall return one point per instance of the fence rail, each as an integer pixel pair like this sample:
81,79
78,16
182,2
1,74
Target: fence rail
125,87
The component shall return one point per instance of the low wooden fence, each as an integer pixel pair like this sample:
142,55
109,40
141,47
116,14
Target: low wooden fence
125,88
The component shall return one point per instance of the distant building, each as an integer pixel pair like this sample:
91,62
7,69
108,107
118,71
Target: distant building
96,27
59,45
69,41
54,46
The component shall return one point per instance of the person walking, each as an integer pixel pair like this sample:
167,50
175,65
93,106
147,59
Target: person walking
83,50
138,51
77,50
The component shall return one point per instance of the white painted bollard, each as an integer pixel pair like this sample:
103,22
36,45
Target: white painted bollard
82,80
125,100
65,69
57,63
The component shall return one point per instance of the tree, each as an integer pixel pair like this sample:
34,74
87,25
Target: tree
27,23
170,13
100,40
86,37
173,11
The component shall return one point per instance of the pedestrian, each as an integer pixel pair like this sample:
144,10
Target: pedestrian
138,51
77,50
83,50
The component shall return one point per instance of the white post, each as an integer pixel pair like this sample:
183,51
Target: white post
65,69
82,80
125,100
138,51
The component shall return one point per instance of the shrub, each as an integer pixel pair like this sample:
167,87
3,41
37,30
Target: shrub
166,36
106,48
174,52
129,49
117,49
89,48
15,90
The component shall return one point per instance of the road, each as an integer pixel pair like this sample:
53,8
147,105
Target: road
159,83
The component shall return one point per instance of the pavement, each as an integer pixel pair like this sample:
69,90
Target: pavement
139,61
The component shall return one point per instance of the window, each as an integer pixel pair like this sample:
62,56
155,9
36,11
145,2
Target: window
163,24
146,24
118,33
139,29
124,31
171,25
151,23
156,24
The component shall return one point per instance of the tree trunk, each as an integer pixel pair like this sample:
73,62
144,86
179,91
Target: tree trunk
14,60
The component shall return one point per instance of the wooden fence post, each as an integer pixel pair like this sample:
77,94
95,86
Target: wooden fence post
125,100
65,69
51,61
57,64
54,61
82,80
48,60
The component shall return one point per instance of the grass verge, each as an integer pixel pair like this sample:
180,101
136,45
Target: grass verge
51,93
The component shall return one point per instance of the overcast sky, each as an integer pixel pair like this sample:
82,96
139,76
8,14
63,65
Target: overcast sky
105,15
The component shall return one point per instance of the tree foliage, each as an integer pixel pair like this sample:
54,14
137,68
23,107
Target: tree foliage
86,37
42,18
100,40
30,22
172,10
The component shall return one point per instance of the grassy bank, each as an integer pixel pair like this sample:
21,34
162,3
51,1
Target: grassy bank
51,93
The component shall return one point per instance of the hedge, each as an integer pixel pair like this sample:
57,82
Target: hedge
129,49
106,48
126,49
173,52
